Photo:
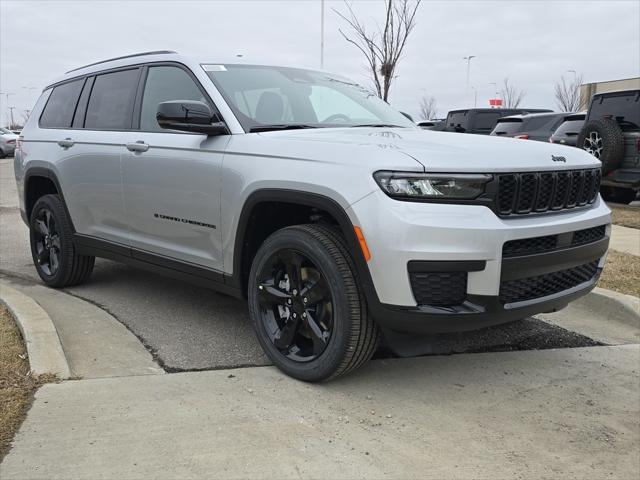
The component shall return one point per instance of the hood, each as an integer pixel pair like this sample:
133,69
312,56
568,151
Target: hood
435,151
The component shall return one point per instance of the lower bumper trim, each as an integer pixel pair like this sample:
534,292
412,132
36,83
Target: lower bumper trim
477,312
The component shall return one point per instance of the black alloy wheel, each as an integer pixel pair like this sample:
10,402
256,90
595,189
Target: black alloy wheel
306,306
295,305
47,242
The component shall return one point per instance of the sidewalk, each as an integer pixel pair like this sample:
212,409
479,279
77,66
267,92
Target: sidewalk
570,413
624,239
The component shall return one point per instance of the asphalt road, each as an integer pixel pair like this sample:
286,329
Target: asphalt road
191,328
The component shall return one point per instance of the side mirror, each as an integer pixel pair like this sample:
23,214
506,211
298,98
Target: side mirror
189,116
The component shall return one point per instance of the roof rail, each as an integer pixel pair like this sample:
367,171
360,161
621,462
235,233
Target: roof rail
155,52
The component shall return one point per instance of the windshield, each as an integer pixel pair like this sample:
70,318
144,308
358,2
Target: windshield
265,98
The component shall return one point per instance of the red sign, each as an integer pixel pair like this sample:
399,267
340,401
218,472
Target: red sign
495,102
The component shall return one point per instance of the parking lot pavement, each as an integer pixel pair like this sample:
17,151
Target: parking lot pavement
191,328
569,413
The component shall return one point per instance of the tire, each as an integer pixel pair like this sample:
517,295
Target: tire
337,335
604,140
618,194
52,248
2,154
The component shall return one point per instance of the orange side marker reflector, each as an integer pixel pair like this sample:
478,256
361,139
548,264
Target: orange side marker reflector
363,244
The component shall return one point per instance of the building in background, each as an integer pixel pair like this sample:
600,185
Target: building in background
588,90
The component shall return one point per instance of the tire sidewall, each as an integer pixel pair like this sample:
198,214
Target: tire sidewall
53,204
326,364
612,142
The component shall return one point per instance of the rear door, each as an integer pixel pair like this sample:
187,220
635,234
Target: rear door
172,179
90,149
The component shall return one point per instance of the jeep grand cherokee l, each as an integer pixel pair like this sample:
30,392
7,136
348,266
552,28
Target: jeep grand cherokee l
336,217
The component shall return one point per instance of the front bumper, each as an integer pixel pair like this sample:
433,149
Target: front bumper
473,235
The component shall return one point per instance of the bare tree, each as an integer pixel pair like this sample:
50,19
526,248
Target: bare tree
25,115
428,107
383,47
568,94
511,96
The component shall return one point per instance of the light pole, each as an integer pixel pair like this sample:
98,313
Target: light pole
468,59
321,34
475,96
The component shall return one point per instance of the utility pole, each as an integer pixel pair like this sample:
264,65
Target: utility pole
468,59
11,109
322,34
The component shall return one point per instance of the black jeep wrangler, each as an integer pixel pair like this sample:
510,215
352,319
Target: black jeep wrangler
611,132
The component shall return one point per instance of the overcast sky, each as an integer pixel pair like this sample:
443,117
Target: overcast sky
531,42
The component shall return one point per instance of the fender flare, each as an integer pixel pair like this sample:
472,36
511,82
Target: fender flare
307,199
51,175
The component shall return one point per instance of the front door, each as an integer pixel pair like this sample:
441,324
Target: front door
172,180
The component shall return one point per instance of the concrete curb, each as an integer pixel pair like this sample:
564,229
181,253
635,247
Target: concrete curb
39,333
628,302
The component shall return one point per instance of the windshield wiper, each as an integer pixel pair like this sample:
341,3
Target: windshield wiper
284,126
381,125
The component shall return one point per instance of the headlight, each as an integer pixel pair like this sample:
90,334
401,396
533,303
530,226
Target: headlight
456,186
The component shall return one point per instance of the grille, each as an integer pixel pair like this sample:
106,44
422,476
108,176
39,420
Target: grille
439,289
528,246
535,287
522,193
589,235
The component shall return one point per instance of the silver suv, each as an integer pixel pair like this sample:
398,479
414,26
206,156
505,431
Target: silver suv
336,217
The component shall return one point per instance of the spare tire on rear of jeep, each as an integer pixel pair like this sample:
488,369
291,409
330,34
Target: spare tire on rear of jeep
603,139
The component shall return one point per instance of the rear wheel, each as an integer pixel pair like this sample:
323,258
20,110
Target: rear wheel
308,312
52,247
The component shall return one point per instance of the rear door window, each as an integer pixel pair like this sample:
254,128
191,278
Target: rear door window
112,98
58,113
624,108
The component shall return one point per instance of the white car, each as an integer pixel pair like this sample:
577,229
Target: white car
335,216
7,142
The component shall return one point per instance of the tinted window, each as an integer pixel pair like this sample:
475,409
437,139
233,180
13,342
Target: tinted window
457,119
508,127
486,120
539,123
571,127
111,102
165,84
58,113
624,108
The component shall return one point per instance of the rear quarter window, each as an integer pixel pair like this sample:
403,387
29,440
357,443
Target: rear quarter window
61,105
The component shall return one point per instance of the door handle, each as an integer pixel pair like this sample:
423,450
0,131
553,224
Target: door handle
138,146
66,143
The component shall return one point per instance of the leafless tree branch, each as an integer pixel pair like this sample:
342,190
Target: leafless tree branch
428,107
511,96
382,47
568,94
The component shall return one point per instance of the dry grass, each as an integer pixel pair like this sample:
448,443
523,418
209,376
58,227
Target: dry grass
17,385
621,273
625,216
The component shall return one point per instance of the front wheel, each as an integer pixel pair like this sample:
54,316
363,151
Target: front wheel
306,307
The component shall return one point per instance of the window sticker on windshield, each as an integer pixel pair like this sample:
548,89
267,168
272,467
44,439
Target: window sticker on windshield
214,68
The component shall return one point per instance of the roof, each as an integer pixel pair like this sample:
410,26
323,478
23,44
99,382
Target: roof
534,115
